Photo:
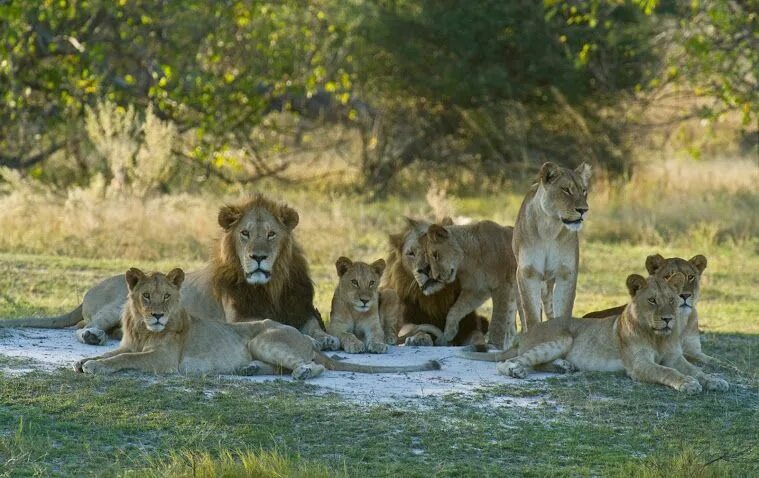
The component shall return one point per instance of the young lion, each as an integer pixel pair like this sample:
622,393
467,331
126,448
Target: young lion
360,310
644,341
692,269
546,243
480,256
161,337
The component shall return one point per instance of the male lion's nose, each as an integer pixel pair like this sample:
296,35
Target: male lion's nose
364,301
157,316
666,320
258,259
424,270
685,296
582,210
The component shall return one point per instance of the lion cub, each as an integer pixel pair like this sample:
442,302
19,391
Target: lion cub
161,337
478,255
360,310
643,341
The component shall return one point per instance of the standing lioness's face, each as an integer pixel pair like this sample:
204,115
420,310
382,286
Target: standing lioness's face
563,194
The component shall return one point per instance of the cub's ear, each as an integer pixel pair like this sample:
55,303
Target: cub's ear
133,277
228,216
396,241
654,263
342,265
446,221
677,280
378,266
549,172
699,262
288,217
584,171
438,232
635,283
176,277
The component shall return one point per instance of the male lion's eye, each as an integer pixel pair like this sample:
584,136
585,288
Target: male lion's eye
166,297
271,235
245,234
567,191
652,300
145,295
354,282
410,253
371,283
691,278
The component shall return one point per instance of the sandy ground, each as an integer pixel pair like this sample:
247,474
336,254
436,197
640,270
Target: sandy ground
52,349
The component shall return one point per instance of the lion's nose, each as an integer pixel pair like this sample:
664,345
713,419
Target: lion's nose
582,210
424,270
157,316
685,296
364,301
258,259
666,320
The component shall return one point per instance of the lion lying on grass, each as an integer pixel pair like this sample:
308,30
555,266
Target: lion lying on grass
643,341
160,336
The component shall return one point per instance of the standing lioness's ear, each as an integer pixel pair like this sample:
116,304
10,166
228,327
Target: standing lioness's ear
699,262
133,277
654,263
176,277
549,172
584,171
342,265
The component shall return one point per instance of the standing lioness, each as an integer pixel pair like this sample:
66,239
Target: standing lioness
161,337
546,243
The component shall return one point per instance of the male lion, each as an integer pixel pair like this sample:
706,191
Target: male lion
362,317
479,255
257,270
426,301
692,269
546,243
644,341
160,336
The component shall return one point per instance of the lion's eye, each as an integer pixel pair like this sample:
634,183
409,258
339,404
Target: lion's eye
271,235
146,296
371,283
567,191
354,282
585,192
245,234
691,278
652,300
166,297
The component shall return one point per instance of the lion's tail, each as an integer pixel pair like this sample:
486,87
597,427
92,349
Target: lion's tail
490,356
57,322
332,364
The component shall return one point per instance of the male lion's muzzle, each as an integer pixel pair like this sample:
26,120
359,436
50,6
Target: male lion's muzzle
258,270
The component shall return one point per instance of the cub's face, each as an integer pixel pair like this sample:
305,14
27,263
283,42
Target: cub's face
358,282
443,254
563,193
259,238
655,301
154,297
692,269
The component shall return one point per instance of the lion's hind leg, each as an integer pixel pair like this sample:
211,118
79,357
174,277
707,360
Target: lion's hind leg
546,352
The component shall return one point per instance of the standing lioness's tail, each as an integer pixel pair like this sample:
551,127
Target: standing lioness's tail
332,364
490,356
58,322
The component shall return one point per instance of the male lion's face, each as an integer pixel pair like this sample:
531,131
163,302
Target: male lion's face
413,258
259,236
359,281
692,269
154,296
443,254
656,301
563,193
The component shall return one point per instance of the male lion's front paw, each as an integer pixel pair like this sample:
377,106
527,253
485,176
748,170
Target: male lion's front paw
376,348
95,366
564,366
689,385
92,336
328,342
511,369
419,340
307,370
253,368
353,346
715,384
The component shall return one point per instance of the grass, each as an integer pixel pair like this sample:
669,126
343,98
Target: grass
60,423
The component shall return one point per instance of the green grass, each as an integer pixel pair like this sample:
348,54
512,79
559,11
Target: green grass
61,423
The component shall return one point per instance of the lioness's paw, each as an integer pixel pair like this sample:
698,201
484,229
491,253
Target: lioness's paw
511,369
253,368
690,385
78,365
328,342
92,336
419,340
307,370
94,366
376,348
715,384
564,366
391,339
353,346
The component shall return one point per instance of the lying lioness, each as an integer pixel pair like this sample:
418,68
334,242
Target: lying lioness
644,341
161,337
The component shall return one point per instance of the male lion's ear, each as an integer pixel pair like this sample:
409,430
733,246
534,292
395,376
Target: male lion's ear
635,283
378,266
677,280
288,217
438,232
342,265
584,171
133,277
654,263
699,262
416,225
228,216
549,172
446,221
176,277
